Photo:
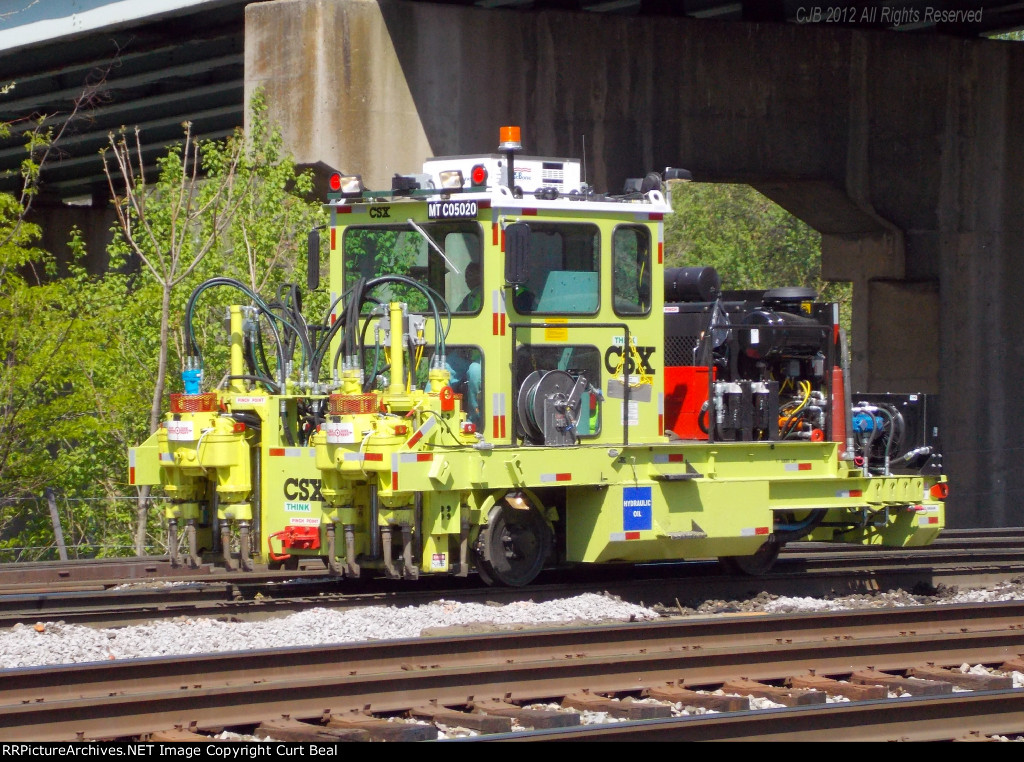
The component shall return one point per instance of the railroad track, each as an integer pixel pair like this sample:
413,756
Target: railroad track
959,558
640,672
101,573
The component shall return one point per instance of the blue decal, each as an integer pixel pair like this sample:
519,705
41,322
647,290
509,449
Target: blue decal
637,509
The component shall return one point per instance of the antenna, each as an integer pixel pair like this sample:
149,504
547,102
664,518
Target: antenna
584,136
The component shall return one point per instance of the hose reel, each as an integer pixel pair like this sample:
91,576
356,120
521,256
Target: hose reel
548,407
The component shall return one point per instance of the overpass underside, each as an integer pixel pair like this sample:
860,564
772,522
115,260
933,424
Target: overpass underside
904,151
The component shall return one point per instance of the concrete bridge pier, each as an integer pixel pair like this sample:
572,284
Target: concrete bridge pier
905,151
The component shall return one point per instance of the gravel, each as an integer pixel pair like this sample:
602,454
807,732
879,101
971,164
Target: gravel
59,643
48,643
767,603
43,643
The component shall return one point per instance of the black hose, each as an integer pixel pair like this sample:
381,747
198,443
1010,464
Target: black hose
260,304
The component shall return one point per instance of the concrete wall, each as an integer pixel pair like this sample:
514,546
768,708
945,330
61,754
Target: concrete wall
903,150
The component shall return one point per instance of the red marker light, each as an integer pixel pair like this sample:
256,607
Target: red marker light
335,182
479,174
939,491
401,430
468,427
447,397
238,428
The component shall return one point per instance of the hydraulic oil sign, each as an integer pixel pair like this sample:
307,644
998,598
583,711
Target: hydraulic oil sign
637,509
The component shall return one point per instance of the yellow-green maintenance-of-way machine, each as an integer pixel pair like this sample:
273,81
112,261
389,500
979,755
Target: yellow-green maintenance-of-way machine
509,378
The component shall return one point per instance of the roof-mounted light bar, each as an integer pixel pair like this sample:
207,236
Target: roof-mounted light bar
348,186
451,179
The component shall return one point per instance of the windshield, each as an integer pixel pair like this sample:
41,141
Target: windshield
369,252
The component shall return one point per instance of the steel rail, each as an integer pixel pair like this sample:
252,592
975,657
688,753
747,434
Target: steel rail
126,698
961,716
244,596
96,573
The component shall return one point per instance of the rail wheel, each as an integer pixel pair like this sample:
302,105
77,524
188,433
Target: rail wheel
513,547
756,565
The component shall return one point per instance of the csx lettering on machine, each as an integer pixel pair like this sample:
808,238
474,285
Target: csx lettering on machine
510,379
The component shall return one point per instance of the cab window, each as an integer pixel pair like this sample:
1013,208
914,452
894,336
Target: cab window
631,270
369,252
563,270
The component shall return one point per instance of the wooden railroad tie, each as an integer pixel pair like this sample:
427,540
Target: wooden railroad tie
835,688
539,719
963,679
780,695
484,723
627,708
287,729
1013,665
678,694
913,686
382,730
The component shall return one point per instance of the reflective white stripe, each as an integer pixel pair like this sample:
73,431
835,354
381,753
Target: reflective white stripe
166,457
421,431
413,457
676,457
498,313
561,477
292,452
498,415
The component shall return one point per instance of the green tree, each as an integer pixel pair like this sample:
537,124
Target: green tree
38,357
752,242
234,208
